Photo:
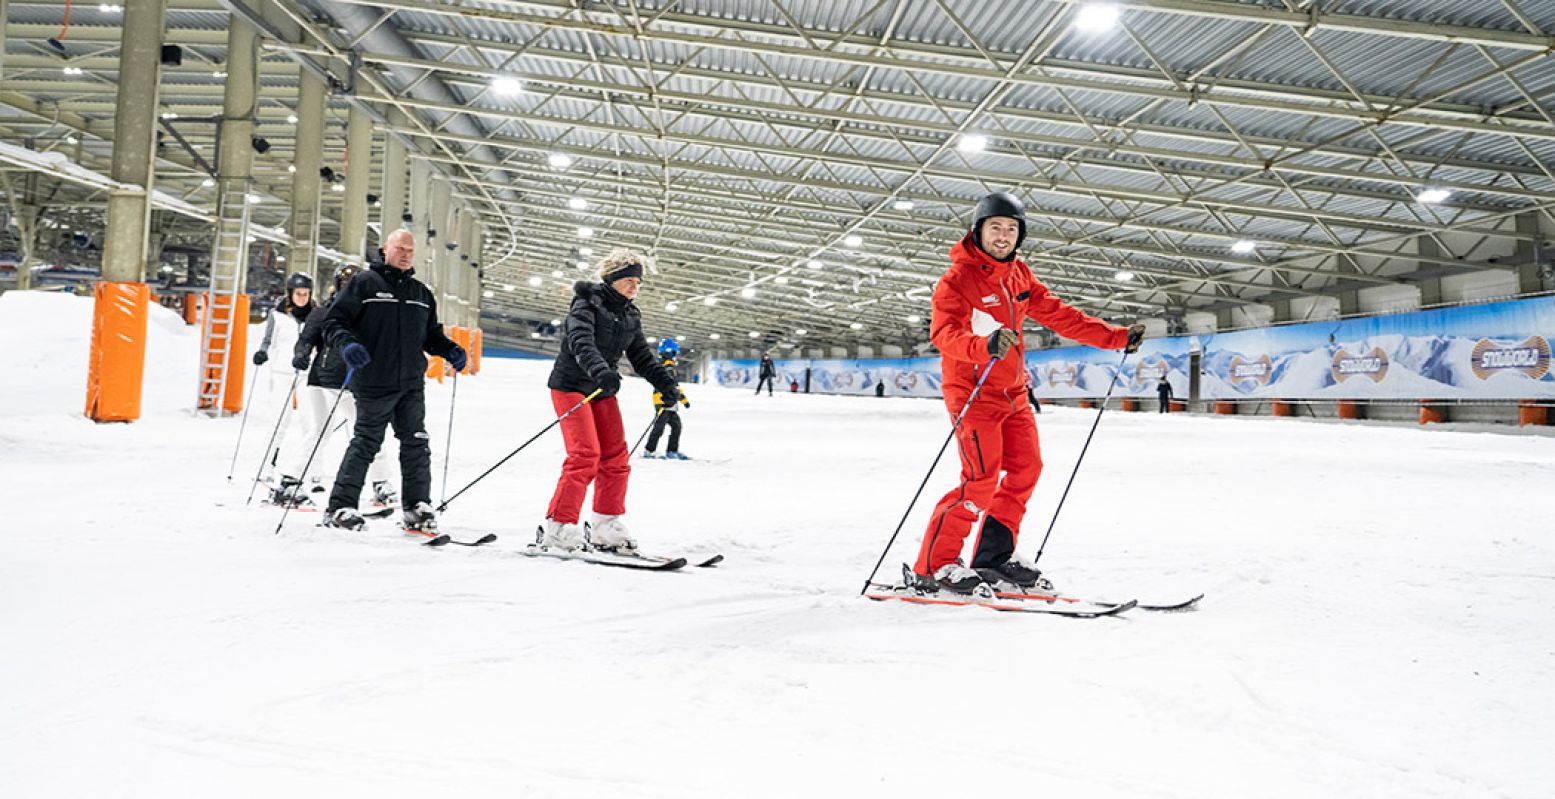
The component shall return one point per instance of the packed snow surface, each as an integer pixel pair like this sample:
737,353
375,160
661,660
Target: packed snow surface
1377,621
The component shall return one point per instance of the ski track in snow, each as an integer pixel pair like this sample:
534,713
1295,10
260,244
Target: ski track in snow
1377,619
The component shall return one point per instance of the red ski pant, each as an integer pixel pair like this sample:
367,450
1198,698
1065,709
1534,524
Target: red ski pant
596,453
998,434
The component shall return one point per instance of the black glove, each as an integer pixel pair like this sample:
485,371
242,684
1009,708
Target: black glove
260,357
671,394
1001,341
299,362
457,359
1136,334
356,356
609,383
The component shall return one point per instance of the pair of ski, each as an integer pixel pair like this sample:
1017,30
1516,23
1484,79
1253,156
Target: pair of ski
433,538
1012,599
622,560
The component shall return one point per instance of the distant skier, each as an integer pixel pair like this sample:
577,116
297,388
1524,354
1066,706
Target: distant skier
326,379
665,412
979,306
1163,391
382,322
768,373
286,319
601,325
283,322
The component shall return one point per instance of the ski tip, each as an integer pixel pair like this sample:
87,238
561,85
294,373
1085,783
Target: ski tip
486,539
437,541
712,561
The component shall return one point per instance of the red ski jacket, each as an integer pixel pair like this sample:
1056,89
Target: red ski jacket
979,295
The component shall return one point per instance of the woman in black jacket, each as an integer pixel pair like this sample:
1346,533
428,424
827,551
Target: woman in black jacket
601,325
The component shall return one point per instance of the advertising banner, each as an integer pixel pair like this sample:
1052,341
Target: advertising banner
1491,351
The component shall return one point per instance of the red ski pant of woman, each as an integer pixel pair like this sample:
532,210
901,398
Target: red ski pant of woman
596,453
998,434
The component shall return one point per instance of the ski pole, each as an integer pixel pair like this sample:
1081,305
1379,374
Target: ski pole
1068,485
344,387
953,428
241,425
531,440
448,448
273,433
645,432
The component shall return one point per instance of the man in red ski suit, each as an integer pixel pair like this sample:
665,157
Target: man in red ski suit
979,306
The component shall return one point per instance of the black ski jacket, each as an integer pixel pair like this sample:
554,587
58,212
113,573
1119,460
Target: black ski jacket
328,369
768,368
394,316
600,326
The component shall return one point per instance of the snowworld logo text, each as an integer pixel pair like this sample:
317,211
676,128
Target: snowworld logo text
1061,376
1257,370
1373,364
1531,357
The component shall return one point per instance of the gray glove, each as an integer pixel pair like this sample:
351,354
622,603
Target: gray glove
1000,342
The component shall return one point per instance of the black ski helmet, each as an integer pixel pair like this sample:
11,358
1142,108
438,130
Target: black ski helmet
999,204
344,273
298,280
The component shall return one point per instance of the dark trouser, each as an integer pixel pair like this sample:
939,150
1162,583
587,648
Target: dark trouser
1166,403
407,411
671,418
767,381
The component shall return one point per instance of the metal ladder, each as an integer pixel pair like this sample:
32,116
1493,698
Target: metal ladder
229,261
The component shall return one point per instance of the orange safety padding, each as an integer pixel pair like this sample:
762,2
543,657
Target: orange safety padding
229,319
435,368
1177,406
1129,404
475,351
1282,408
1349,409
461,336
1430,414
1225,408
1530,412
1087,403
117,364
192,307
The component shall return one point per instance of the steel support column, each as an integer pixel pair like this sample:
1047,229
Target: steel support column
359,170
391,192
306,183
134,140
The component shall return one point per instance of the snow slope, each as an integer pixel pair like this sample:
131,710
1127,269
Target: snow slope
1377,622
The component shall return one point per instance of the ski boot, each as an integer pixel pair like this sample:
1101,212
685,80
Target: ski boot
675,456
344,519
1020,573
555,535
289,494
421,518
608,534
956,578
650,454
384,495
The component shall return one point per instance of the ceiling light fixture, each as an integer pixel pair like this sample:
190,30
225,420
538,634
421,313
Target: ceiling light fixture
781,280
857,325
585,251
507,286
488,294
535,281
1124,275
801,332
914,319
577,204
1433,196
559,160
291,119
1244,247
585,232
1097,17
507,86
972,143
748,292
558,274
671,307
714,336
902,205
754,334
853,240
710,301
814,264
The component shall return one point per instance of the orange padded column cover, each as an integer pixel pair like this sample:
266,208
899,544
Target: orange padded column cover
1349,409
1129,404
232,400
475,351
435,368
1225,408
117,363
461,336
1530,412
1281,408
